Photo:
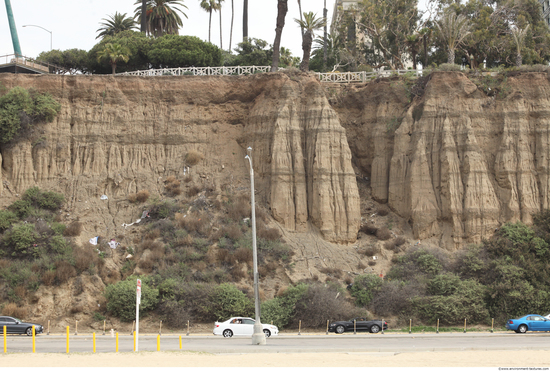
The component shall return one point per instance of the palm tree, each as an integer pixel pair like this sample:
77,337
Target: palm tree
144,19
231,32
310,23
219,9
114,53
117,23
282,9
453,29
161,16
300,10
245,21
209,6
518,35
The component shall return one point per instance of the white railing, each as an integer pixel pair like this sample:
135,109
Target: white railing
330,77
200,71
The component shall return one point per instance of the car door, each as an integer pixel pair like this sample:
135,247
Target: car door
247,326
537,323
361,324
11,325
3,322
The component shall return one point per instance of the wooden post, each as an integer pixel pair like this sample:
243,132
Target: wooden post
104,327
437,327
410,325
492,324
326,333
383,326
187,328
464,325
354,327
76,328
160,328
300,327
48,327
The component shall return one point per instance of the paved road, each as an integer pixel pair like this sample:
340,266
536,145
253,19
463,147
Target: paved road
287,343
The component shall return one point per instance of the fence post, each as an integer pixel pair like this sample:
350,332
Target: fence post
383,326
492,324
300,327
187,328
103,326
133,324
76,328
410,325
160,328
464,325
437,327
354,327
326,333
48,327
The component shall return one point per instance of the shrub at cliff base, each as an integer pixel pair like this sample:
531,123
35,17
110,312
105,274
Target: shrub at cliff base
121,298
21,107
280,310
364,287
228,301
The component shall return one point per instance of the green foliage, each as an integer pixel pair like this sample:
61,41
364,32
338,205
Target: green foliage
518,233
171,51
253,52
74,61
98,317
164,209
280,310
7,218
138,45
24,107
228,301
21,208
121,298
20,240
363,288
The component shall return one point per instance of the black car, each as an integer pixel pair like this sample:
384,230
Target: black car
15,326
361,324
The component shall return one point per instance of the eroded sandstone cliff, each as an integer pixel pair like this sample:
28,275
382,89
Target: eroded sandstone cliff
115,136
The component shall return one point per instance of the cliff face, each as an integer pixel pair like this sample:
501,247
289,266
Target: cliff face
461,163
116,136
455,162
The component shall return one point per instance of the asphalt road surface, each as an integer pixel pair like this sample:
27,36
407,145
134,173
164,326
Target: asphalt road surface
307,343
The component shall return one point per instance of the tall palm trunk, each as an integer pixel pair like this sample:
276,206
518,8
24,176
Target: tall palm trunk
300,9
451,56
282,9
144,16
231,32
245,20
209,24
221,42
306,47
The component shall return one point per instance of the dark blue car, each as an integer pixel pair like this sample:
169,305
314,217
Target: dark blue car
530,322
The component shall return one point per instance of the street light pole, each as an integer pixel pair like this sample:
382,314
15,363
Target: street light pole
51,33
258,337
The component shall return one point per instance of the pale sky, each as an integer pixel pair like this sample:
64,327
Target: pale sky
73,23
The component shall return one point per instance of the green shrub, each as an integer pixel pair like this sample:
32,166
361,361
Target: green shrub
21,239
21,208
280,310
518,233
7,218
363,288
20,103
48,200
228,301
121,298
98,317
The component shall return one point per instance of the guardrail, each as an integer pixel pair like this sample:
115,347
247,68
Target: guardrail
29,62
331,77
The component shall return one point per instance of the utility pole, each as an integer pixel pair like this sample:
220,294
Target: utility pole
13,30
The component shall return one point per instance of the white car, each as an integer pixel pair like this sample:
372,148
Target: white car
242,326
547,316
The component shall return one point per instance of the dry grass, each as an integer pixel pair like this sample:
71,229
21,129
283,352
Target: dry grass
4,263
20,292
64,271
153,234
239,209
382,211
193,191
400,241
232,231
172,186
73,230
334,272
12,310
237,273
48,278
77,309
243,255
193,157
271,234
361,266
372,250
368,228
383,234
142,195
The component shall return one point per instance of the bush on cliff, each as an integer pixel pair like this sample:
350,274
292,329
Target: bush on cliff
121,298
172,51
21,108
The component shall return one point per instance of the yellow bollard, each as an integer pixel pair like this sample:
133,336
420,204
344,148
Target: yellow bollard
158,342
116,349
5,343
134,341
180,342
67,339
93,336
300,327
33,340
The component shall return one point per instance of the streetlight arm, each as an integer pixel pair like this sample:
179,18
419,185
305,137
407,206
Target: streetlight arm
51,33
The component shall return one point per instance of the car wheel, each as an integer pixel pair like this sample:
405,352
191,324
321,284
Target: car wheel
267,333
522,329
227,333
340,329
29,331
374,329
